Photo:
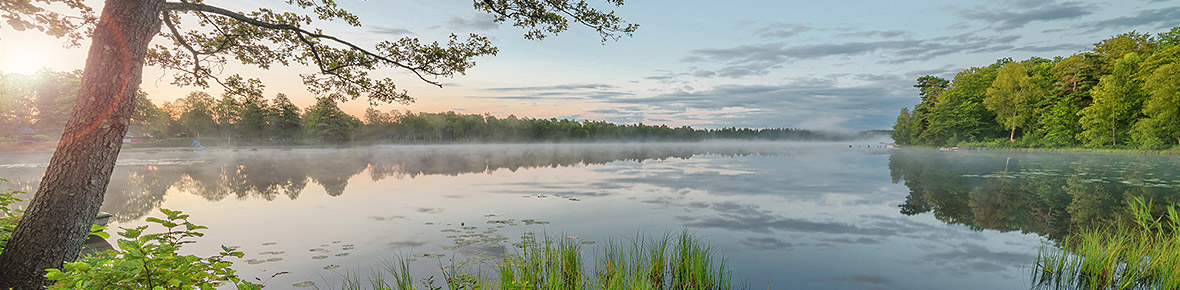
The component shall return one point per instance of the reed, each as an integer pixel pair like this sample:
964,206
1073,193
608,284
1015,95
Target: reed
680,262
1142,255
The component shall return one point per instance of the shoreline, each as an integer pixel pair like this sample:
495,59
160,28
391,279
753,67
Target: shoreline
1173,151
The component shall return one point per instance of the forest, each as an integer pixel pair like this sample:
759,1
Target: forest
1122,93
43,101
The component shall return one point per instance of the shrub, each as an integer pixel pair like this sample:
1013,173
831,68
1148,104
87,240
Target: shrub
41,138
8,216
151,261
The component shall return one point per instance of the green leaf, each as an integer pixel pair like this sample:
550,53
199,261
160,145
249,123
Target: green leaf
101,235
55,275
132,233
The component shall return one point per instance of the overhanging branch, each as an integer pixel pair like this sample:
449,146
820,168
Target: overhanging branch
184,6
180,39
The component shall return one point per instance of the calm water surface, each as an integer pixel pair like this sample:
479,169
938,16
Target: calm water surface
786,215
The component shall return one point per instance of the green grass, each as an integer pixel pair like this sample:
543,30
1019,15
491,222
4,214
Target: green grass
679,261
1143,255
1005,146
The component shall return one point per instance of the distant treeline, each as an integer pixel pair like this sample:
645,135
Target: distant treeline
43,101
1123,93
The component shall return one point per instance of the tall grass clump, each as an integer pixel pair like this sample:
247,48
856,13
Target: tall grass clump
681,262
1142,255
669,262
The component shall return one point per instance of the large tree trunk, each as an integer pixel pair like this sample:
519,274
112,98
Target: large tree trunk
58,219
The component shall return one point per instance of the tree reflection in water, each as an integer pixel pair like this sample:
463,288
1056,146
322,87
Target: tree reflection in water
138,186
1044,193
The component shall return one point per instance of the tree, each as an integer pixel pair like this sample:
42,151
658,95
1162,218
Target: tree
1010,95
325,122
1167,40
56,93
903,129
1117,103
1114,48
148,119
1075,76
1162,107
283,120
959,114
197,114
16,103
71,191
252,117
930,88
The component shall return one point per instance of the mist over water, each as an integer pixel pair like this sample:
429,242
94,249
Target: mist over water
786,215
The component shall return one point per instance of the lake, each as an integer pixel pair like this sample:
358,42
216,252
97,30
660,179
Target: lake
785,215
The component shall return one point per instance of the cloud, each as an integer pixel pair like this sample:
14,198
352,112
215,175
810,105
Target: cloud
555,92
749,218
799,103
564,87
864,279
1027,12
1073,47
478,22
760,59
1165,17
878,33
966,259
766,243
946,71
392,31
781,30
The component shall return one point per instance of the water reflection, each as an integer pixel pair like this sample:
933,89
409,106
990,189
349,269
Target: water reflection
795,216
139,184
1047,194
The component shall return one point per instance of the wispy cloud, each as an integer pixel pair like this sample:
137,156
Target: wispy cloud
760,59
555,92
1026,12
478,22
1165,17
392,31
781,30
877,33
809,102
564,87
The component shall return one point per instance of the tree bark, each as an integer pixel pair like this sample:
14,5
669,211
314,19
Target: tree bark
58,219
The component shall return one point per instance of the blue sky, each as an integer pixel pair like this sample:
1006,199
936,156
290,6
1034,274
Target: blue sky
806,64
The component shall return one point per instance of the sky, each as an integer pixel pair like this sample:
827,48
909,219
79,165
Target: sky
831,65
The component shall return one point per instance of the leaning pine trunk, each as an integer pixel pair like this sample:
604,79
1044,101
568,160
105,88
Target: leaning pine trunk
58,218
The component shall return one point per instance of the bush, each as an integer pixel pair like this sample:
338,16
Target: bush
8,216
151,261
41,138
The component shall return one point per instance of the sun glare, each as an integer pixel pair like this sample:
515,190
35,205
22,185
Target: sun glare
15,59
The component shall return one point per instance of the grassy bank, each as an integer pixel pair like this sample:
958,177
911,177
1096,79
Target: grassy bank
671,262
990,146
1140,255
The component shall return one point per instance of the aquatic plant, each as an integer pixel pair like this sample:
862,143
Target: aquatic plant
670,262
1142,255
